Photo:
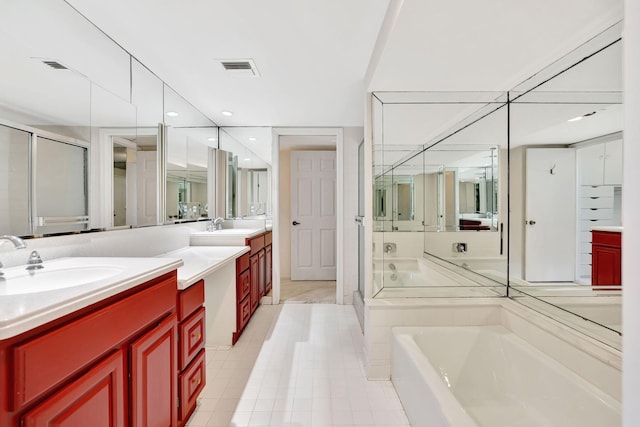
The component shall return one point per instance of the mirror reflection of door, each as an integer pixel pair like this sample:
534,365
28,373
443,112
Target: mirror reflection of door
404,201
258,185
119,185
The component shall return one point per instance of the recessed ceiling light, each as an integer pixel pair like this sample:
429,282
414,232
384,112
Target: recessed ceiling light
172,114
247,159
212,139
251,138
227,113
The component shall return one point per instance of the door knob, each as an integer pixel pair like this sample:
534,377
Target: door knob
531,222
295,223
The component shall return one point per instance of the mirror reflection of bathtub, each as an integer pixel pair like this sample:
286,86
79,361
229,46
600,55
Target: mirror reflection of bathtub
422,277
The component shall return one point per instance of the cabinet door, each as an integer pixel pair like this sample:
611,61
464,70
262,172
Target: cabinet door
262,271
267,261
606,266
591,164
613,163
95,399
154,374
254,269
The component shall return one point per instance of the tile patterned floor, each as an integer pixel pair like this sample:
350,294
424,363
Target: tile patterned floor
308,291
296,365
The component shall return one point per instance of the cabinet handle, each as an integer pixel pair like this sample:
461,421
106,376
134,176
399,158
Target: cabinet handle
196,381
594,198
594,209
196,336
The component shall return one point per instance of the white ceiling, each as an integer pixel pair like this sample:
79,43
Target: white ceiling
313,55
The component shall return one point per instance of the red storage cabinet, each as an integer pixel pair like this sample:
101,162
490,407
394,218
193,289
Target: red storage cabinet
95,399
154,367
76,367
606,262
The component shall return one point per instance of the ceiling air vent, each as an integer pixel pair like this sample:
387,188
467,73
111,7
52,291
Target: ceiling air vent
240,67
55,64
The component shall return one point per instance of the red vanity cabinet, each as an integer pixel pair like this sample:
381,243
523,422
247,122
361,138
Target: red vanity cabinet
154,364
191,337
243,294
253,279
268,262
606,262
96,399
77,367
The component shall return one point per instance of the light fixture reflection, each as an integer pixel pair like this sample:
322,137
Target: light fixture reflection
172,114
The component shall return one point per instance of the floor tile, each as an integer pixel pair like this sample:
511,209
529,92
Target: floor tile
296,365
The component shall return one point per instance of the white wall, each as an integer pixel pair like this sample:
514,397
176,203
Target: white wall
352,137
630,209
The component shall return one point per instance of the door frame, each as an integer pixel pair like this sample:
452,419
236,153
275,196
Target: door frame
340,220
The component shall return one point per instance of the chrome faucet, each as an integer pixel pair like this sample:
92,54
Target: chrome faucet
215,224
34,262
17,242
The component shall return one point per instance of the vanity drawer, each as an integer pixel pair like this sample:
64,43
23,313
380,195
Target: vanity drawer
256,244
596,191
191,382
244,313
242,263
585,236
596,213
605,238
191,337
596,202
190,299
267,238
585,258
243,285
584,270
585,247
586,224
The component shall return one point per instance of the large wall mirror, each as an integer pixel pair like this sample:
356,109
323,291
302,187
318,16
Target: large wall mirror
191,140
555,142
245,167
566,151
112,121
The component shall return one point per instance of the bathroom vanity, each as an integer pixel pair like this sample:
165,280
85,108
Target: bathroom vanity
606,244
128,349
252,269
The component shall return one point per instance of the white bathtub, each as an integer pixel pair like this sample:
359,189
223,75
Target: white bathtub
467,376
414,272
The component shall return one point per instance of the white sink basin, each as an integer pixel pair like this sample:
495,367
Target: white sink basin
18,281
235,231
224,237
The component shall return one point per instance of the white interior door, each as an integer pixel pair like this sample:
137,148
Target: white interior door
313,215
147,187
550,236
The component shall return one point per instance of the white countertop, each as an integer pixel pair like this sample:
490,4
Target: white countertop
225,237
21,312
609,228
201,261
